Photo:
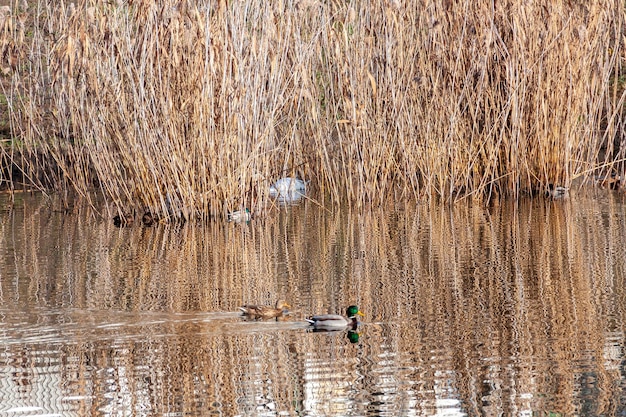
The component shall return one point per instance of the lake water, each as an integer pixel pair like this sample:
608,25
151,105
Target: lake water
515,309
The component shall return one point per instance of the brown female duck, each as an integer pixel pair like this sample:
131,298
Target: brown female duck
265,312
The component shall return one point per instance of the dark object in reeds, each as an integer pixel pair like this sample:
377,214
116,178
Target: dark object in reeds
557,191
612,182
122,220
148,219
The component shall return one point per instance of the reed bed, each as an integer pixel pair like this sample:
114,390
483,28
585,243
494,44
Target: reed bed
192,108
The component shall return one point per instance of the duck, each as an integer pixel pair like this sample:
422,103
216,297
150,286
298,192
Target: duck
611,181
336,321
122,219
265,312
148,219
239,216
556,191
286,186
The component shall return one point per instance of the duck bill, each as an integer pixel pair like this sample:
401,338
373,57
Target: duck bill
358,313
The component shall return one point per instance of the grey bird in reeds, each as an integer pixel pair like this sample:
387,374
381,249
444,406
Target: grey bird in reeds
264,311
286,186
556,191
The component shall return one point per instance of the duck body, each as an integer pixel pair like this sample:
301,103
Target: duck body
336,321
121,220
239,216
557,191
263,311
330,321
149,219
286,186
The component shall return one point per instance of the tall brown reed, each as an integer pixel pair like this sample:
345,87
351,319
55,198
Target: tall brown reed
192,108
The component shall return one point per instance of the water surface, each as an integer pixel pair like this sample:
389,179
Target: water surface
512,309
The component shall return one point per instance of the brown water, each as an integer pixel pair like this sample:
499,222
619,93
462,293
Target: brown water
513,310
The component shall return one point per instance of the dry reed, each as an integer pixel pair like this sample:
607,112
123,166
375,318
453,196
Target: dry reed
192,108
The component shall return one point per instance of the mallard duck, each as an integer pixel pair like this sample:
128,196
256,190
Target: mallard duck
239,216
336,321
266,312
286,186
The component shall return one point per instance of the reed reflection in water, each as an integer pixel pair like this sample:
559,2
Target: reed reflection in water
514,309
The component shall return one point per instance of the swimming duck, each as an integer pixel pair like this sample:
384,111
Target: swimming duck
286,186
556,191
335,321
266,312
123,220
612,181
149,219
239,216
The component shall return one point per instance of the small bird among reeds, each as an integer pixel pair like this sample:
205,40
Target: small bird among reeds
148,219
556,191
336,321
122,220
264,311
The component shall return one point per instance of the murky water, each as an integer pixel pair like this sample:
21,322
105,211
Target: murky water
502,310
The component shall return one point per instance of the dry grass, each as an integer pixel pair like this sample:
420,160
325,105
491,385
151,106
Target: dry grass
192,108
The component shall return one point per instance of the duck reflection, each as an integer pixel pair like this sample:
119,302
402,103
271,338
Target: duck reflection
352,335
